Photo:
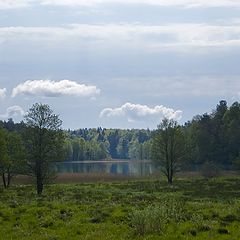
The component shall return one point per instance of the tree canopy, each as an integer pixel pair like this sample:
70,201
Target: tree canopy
168,147
45,141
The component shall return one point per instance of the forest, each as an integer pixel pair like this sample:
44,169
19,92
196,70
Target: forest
211,137
208,138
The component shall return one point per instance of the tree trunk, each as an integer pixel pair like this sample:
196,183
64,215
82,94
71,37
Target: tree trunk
170,181
39,177
170,178
8,178
39,181
4,180
39,185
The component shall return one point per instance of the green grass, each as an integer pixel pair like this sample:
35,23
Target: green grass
148,209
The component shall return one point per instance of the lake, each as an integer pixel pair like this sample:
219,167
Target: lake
123,167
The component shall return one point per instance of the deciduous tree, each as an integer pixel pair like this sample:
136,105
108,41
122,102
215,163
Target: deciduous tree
45,141
12,160
168,147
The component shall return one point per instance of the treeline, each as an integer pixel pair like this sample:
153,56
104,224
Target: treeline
101,143
98,143
212,137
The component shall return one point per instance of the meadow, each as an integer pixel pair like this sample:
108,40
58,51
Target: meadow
190,208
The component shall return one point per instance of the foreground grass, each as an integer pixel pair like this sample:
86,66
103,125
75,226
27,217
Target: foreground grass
150,209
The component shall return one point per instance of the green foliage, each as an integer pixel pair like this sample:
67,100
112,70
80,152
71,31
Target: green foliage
3,148
154,219
168,147
214,137
77,149
96,144
12,156
44,143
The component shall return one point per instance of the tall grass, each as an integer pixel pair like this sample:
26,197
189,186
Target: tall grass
154,219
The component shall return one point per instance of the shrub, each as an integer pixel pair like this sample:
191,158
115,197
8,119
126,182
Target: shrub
150,220
154,219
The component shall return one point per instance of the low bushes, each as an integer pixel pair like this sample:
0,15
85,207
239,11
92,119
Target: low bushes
154,219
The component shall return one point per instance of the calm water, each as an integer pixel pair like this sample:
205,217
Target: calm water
123,167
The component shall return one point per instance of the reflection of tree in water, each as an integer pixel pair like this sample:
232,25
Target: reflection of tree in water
125,170
113,169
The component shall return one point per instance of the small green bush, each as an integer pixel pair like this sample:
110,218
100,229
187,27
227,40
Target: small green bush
154,219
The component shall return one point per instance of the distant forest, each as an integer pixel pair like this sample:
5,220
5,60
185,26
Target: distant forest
212,137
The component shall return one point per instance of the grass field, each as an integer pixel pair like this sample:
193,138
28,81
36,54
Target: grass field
136,209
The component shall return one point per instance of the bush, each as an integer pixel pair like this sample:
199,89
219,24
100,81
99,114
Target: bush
154,219
150,220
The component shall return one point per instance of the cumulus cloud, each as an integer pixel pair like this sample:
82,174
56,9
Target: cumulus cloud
3,93
137,112
151,37
12,112
50,88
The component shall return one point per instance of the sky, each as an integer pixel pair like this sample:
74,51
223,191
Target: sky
118,63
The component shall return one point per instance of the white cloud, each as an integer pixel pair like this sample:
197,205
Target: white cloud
132,36
137,112
3,93
12,112
50,88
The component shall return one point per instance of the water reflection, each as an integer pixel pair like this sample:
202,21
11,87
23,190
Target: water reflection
123,167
